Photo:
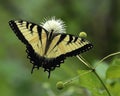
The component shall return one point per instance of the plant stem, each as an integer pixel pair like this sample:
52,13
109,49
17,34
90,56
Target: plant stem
86,61
81,59
69,81
94,71
107,57
102,82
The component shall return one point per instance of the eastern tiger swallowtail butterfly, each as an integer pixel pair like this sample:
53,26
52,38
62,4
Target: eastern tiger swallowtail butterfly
47,45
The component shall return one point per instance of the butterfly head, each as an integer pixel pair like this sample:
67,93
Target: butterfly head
54,25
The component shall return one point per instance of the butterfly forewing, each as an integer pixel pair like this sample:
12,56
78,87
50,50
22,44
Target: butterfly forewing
30,34
69,45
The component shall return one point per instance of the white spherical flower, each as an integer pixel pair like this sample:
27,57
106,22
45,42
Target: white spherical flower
55,25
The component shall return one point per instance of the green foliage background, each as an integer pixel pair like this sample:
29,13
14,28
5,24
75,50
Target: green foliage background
99,18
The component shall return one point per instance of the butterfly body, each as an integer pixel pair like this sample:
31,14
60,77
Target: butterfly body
47,49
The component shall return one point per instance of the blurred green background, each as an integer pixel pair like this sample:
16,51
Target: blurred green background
100,19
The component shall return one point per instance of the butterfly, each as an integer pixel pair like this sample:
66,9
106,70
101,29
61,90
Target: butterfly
47,48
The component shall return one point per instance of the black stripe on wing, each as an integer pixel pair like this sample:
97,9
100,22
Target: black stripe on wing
80,49
29,26
61,38
16,30
35,59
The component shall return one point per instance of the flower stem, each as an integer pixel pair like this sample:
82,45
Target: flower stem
106,58
83,61
69,81
102,82
94,71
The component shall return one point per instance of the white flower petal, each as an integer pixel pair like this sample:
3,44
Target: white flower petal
55,25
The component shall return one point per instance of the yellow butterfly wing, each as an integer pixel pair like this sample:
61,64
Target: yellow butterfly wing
67,45
30,34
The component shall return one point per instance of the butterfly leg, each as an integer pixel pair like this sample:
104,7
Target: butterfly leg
48,73
32,69
48,70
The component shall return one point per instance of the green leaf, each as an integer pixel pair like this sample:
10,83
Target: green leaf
101,69
92,83
115,88
114,70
